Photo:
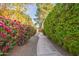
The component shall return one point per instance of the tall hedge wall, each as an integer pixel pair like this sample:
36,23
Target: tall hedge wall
62,26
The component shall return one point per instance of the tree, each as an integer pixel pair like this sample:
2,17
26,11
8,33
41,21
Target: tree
42,12
15,11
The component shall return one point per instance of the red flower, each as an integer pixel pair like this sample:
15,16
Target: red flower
12,35
3,35
5,48
7,29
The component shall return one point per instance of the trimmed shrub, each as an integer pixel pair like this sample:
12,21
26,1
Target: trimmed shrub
63,21
71,43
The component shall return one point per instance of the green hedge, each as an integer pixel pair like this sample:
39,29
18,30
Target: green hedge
62,26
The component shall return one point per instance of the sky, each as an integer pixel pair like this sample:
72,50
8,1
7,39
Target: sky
31,11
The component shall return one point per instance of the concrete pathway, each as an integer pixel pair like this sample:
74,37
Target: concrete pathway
38,45
46,48
29,49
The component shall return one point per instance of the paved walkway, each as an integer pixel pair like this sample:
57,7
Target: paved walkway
46,48
29,49
38,45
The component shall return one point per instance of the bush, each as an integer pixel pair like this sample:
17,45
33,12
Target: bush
71,43
63,21
7,35
13,33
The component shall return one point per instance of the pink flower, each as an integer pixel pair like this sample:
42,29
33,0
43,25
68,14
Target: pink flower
1,25
7,29
3,35
1,17
1,22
